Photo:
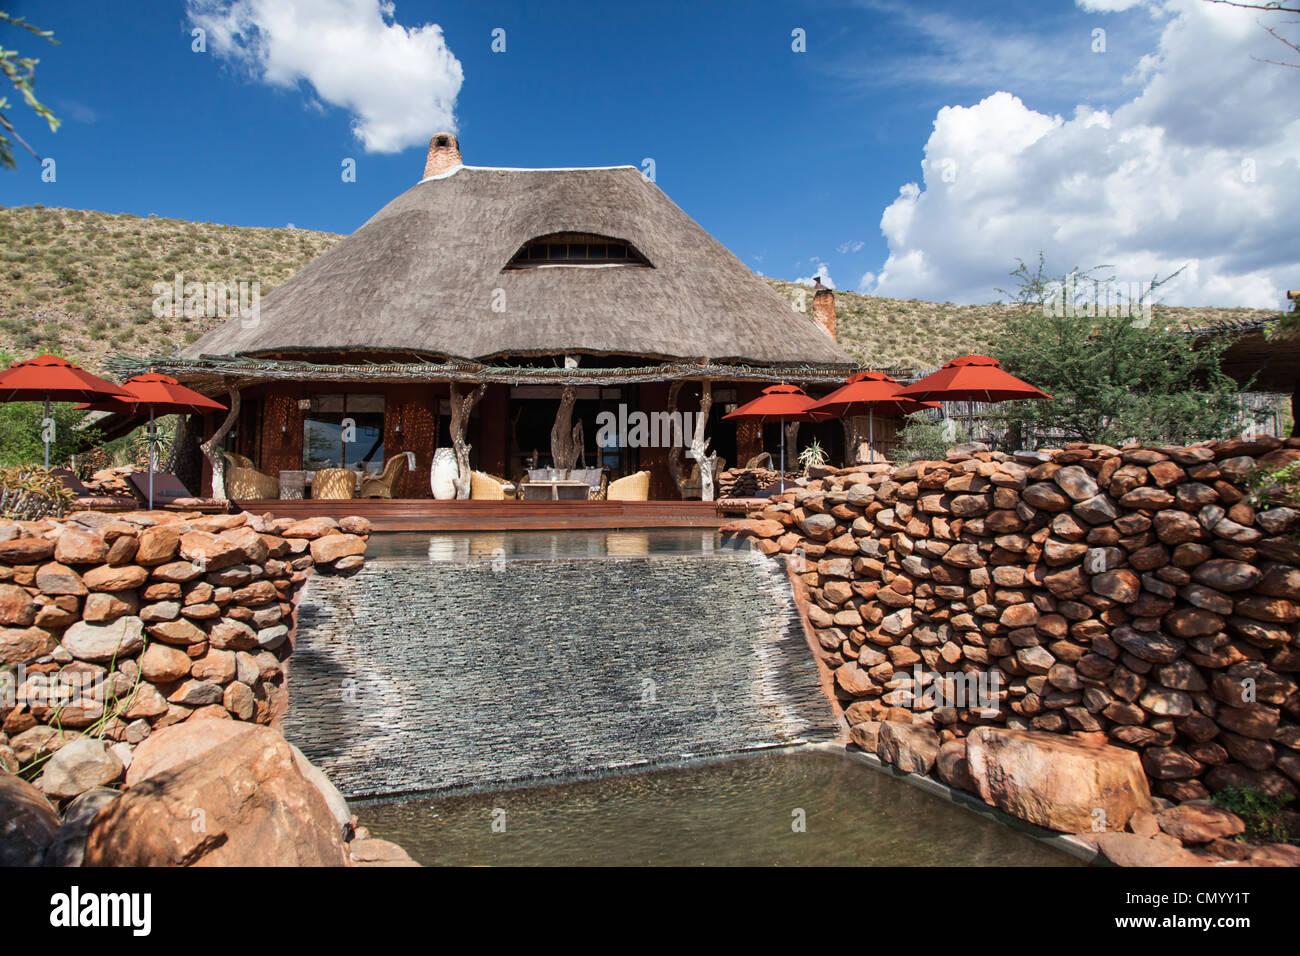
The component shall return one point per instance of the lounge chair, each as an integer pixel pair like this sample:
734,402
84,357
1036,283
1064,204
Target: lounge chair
381,485
484,487
632,488
243,480
168,492
761,460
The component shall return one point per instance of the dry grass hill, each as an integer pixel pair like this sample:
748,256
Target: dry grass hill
80,283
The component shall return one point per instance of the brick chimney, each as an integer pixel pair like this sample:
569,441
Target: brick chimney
444,155
824,308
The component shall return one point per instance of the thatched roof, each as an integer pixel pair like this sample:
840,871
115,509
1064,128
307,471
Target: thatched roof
422,277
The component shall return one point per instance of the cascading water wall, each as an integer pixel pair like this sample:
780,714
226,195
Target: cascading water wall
420,675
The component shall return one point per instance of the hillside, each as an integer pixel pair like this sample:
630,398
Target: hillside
80,283
910,334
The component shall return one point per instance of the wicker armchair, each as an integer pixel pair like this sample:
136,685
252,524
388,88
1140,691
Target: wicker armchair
483,487
381,485
632,488
243,480
761,460
334,484
692,487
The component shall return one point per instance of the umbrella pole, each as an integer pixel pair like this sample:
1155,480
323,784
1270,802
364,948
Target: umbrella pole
149,443
45,433
782,465
871,432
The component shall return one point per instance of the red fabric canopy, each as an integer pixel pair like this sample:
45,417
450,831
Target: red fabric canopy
867,392
971,378
54,379
784,402
161,394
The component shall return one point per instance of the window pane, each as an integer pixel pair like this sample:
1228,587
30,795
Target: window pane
596,251
577,250
557,250
538,251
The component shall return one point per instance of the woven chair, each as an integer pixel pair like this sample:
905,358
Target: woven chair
334,484
381,485
692,487
601,493
483,487
761,460
243,480
632,488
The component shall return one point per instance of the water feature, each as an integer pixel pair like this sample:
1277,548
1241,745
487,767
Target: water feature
464,660
744,811
465,680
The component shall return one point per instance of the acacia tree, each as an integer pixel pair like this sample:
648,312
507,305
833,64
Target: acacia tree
1113,378
20,71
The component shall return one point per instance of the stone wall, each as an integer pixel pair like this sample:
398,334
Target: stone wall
113,627
1132,597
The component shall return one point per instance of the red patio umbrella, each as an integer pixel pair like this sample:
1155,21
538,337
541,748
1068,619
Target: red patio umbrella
783,403
971,378
162,395
862,394
49,378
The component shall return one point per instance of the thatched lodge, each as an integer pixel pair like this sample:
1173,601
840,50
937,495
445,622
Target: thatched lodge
500,312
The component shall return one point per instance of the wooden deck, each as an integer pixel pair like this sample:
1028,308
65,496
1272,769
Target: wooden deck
423,514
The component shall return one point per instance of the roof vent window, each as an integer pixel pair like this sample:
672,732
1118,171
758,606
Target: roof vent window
576,249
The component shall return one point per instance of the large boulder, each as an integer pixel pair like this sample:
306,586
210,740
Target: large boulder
27,822
910,747
1056,781
216,793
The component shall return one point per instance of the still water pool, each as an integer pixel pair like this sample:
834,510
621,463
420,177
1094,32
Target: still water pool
741,812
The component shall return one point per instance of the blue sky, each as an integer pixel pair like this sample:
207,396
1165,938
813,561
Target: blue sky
790,159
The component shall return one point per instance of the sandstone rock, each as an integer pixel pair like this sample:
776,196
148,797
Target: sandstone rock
99,643
27,822
1129,849
866,735
1199,823
54,578
161,664
21,644
372,852
953,768
1224,574
909,747
106,577
68,848
80,547
209,552
1055,781
1120,585
79,766
258,808
26,550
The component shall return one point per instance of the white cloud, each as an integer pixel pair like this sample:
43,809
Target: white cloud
853,245
1201,168
398,83
822,273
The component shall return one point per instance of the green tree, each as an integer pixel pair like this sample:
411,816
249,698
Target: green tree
20,431
1113,379
20,71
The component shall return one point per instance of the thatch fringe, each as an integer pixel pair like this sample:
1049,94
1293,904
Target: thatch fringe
212,371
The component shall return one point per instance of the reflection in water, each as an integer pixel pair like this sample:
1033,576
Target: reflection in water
463,547
740,812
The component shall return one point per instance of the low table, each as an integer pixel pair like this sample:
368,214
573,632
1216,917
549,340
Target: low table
293,484
556,490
